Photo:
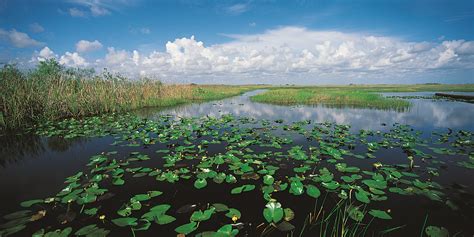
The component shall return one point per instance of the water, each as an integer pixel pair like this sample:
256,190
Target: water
35,167
425,114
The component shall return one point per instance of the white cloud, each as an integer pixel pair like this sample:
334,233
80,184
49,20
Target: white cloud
87,46
252,24
294,54
19,39
36,27
73,60
116,57
75,12
99,11
98,8
237,9
42,55
46,53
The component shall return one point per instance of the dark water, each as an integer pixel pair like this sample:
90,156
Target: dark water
35,167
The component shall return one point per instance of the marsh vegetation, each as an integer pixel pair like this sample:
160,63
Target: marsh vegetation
308,161
359,96
51,92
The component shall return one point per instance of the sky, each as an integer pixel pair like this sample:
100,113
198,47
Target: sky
247,42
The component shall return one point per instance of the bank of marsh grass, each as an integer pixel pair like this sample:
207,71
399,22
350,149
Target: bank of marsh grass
51,92
359,96
361,99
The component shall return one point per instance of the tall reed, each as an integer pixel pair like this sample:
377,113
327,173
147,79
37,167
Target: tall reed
52,92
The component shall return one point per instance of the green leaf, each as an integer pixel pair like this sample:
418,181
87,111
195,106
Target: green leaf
220,207
125,221
186,228
296,187
380,214
154,193
312,191
165,219
243,188
86,230
289,214
227,230
200,183
91,211
202,215
435,231
59,233
141,197
362,196
356,214
273,212
233,212
30,203
17,215
268,179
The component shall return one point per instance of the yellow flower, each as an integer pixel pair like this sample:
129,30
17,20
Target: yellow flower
102,217
377,165
235,218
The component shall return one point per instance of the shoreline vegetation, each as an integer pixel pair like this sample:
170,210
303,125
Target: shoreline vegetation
357,96
51,92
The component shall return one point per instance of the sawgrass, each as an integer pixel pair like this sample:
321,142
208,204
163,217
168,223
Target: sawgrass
51,92
330,97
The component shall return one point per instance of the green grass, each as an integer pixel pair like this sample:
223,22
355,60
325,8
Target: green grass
51,92
358,96
330,97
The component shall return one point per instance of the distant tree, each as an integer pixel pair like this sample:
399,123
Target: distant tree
49,67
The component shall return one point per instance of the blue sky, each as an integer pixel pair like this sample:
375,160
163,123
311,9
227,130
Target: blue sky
301,42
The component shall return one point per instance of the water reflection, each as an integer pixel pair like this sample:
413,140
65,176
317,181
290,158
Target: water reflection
15,147
46,162
424,114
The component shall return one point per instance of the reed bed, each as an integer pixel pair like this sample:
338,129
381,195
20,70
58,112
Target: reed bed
51,92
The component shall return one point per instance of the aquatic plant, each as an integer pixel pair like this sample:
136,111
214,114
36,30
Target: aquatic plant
257,160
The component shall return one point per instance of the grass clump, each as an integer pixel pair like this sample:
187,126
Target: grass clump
330,97
51,92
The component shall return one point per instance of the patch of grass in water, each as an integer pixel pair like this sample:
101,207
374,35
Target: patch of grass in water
330,97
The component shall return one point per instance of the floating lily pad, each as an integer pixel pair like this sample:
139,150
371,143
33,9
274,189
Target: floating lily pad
380,214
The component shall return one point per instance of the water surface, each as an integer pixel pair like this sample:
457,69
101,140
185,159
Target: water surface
35,167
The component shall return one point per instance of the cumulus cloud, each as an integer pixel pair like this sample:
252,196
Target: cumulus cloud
42,55
116,57
46,53
73,60
18,39
291,54
87,46
299,50
36,27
